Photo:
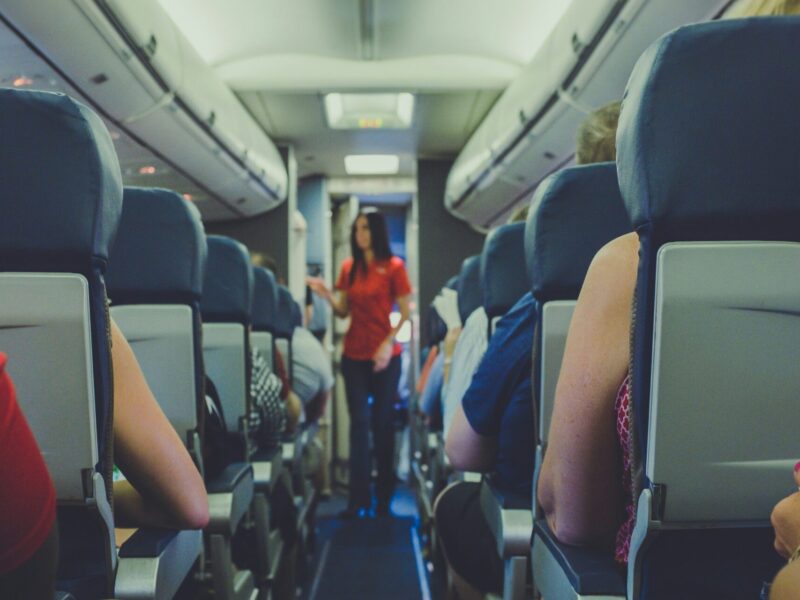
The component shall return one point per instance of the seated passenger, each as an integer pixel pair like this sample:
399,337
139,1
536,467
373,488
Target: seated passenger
312,375
312,380
28,530
163,488
492,431
463,350
581,489
786,521
430,398
585,487
269,419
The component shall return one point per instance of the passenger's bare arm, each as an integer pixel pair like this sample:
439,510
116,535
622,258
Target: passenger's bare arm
165,488
338,302
383,354
579,486
466,448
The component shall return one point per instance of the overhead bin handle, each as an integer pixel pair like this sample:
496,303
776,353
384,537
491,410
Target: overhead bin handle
163,101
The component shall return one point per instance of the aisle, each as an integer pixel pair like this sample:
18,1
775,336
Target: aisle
362,559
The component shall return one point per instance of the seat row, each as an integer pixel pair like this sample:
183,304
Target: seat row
72,240
706,175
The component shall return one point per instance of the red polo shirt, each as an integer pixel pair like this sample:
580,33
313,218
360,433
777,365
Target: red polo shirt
371,298
27,496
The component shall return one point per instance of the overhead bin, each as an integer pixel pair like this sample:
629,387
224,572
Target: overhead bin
530,131
139,69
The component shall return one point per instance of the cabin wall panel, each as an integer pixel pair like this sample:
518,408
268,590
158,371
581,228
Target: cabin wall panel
444,241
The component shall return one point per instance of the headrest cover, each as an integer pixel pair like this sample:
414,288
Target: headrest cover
452,283
228,283
284,323
436,327
159,254
707,145
297,314
573,214
470,296
265,299
502,269
61,184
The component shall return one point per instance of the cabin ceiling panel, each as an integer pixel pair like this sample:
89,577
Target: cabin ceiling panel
442,123
366,44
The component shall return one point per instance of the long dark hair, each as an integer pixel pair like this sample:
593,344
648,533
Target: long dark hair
379,236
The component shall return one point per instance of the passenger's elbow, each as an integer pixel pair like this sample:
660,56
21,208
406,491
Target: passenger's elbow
195,515
566,532
463,460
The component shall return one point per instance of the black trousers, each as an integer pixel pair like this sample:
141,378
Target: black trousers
361,383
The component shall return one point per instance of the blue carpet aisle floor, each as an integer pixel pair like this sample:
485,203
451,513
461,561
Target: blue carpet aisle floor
365,559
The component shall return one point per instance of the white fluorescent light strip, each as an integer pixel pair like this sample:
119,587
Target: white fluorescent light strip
372,164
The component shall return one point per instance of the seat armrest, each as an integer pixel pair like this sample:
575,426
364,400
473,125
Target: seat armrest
509,518
153,563
267,466
585,570
229,495
229,479
288,450
147,543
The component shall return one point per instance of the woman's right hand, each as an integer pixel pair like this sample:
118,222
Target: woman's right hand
317,285
786,521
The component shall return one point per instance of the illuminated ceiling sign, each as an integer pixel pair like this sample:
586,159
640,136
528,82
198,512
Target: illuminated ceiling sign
369,111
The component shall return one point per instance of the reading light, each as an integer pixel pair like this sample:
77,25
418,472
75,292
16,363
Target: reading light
371,164
22,81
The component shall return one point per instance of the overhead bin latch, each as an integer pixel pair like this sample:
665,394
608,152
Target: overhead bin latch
567,98
163,101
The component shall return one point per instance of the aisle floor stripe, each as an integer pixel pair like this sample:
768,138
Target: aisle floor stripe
320,568
424,589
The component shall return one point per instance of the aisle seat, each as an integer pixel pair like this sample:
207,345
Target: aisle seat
573,214
508,515
707,170
226,309
265,310
62,168
155,281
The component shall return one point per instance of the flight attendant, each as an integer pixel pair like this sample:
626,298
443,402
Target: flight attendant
369,284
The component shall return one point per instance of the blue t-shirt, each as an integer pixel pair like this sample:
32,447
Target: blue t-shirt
499,401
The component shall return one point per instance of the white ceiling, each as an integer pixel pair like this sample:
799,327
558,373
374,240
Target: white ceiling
281,57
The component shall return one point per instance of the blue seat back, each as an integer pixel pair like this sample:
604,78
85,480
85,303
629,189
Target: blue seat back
707,152
285,322
155,282
228,283
227,315
265,300
469,287
159,255
573,214
60,205
502,282
297,315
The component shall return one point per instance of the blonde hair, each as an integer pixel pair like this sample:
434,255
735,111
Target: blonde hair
597,136
764,8
521,214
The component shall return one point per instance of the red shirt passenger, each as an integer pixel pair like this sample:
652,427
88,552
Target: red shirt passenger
27,502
